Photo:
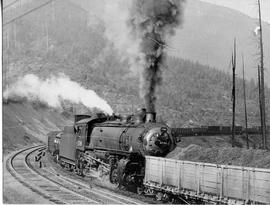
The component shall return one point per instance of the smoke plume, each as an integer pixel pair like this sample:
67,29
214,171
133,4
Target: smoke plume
152,22
117,30
53,91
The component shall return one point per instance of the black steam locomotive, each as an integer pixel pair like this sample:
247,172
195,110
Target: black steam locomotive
115,145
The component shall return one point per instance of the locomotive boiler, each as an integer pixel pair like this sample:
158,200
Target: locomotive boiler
116,144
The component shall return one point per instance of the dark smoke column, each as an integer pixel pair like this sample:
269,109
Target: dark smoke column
153,21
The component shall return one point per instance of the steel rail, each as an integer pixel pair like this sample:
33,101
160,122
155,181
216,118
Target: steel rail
63,194
87,192
121,199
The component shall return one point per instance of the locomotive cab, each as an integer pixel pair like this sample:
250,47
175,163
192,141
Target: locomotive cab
83,131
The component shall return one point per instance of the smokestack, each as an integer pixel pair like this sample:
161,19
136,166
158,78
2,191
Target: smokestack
150,117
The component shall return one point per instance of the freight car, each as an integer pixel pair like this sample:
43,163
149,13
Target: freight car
215,130
114,144
174,179
207,131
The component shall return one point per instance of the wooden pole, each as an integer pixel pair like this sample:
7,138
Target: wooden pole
7,56
262,81
233,92
8,38
260,101
6,69
15,35
14,29
245,101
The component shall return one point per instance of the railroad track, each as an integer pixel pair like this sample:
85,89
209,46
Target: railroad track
54,187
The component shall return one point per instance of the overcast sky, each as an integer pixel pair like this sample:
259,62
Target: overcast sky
248,7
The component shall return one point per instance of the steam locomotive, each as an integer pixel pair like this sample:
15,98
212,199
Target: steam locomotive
115,145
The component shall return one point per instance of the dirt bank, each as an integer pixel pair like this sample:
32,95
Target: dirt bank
223,155
25,124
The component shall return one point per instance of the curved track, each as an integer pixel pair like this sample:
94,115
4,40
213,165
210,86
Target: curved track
54,187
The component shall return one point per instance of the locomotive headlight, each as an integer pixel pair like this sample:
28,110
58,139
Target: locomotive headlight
156,141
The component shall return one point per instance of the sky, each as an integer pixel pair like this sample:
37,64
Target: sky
248,7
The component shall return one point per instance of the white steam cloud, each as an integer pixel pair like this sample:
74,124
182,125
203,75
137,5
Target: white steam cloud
53,91
116,15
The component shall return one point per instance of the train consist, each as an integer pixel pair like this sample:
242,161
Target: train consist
116,145
216,130
131,151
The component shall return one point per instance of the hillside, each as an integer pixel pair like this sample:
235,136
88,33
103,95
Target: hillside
190,91
207,36
223,155
25,124
191,94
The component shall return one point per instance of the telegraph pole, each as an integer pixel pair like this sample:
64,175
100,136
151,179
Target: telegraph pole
14,34
233,91
245,101
260,102
262,81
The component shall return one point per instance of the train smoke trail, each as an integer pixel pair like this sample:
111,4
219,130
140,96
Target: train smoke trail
153,21
118,32
53,91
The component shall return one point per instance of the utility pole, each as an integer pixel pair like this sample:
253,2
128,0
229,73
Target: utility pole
15,35
8,38
262,81
7,56
233,91
260,102
14,25
7,70
245,101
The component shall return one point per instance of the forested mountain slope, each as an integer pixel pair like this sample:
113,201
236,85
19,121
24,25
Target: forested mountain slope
207,35
191,94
